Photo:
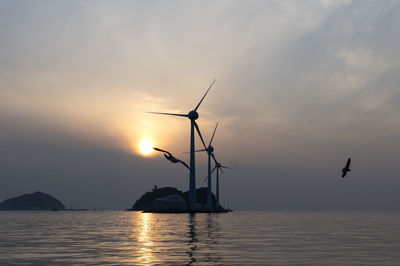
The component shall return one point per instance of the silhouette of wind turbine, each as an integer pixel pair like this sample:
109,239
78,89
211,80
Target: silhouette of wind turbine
171,158
192,115
210,153
219,167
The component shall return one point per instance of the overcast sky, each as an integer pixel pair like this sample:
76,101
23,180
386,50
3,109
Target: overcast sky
301,86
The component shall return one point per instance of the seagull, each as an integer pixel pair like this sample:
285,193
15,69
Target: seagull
346,168
171,158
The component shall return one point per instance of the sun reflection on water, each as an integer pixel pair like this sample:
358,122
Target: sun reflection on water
240,238
145,239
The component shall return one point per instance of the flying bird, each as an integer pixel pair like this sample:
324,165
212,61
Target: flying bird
346,168
171,158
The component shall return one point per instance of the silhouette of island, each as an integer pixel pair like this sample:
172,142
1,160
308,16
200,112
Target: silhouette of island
33,201
166,199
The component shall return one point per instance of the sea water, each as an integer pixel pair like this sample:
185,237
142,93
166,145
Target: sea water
237,238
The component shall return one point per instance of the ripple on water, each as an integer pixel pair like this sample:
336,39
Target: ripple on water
276,238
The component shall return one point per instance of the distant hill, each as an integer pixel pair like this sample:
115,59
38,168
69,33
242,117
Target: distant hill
145,202
34,201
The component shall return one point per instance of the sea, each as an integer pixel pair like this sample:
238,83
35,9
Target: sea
236,238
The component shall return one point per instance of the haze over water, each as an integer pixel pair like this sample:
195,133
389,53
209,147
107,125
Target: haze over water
128,238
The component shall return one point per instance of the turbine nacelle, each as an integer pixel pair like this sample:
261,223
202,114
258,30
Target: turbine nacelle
210,149
193,115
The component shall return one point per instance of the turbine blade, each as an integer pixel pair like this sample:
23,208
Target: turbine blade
212,171
194,151
213,156
215,129
198,131
204,180
195,109
225,167
168,114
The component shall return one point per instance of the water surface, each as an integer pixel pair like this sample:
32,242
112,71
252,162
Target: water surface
238,238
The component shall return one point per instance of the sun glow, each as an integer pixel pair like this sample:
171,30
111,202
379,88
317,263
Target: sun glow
146,147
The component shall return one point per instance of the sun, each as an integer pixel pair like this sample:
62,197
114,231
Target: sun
146,147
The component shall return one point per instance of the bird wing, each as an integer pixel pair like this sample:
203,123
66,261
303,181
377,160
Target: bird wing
184,164
344,173
157,149
348,163
173,159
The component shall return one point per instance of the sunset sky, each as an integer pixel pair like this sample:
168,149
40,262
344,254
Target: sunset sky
300,86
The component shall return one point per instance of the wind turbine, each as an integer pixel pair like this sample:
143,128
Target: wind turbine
210,153
219,167
193,116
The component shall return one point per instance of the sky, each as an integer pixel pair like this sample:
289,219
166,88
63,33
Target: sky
300,87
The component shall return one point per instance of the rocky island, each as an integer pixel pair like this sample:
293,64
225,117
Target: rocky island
33,201
172,200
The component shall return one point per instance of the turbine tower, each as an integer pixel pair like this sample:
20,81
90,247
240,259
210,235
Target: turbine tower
210,153
193,116
219,167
